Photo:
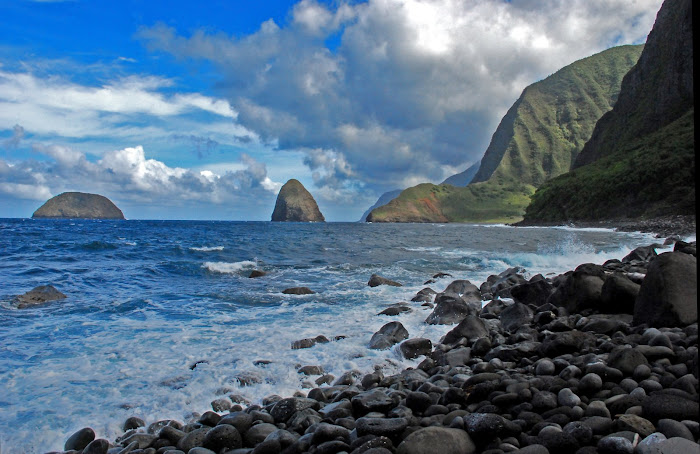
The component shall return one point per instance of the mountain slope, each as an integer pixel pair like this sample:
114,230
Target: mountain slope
537,139
463,178
382,200
640,161
78,205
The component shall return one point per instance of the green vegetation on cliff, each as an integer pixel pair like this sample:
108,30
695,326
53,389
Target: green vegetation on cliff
651,176
481,202
640,160
537,139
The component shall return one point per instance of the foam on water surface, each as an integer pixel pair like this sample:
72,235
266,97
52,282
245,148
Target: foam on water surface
154,331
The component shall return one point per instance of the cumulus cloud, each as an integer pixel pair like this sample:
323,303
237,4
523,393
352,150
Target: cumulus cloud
414,87
128,175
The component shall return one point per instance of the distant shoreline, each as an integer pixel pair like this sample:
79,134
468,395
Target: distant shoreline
662,226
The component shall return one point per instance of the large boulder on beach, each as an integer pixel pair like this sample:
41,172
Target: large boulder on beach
450,308
38,295
668,295
78,205
388,335
471,328
296,204
429,440
579,289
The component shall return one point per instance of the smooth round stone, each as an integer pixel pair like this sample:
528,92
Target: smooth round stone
567,398
193,439
651,385
638,393
628,385
570,372
386,427
544,400
641,372
79,440
581,432
200,450
672,428
591,383
678,445
637,424
223,436
545,367
133,423
597,408
615,445
429,439
650,444
98,446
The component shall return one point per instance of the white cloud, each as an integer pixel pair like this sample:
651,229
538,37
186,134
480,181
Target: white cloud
415,86
128,175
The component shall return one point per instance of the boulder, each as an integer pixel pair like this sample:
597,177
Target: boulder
38,295
618,294
668,296
296,204
581,289
298,291
375,280
388,335
413,348
428,440
534,292
515,316
471,328
450,308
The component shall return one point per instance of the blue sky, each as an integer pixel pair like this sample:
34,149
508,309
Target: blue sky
202,110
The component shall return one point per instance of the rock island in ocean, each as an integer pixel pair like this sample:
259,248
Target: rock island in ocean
79,205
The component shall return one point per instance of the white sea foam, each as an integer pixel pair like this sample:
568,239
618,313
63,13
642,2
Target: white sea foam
207,248
228,267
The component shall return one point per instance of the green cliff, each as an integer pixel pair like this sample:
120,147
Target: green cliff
538,139
640,160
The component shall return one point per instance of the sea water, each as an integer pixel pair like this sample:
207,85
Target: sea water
161,317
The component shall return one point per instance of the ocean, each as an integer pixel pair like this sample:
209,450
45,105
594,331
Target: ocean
161,317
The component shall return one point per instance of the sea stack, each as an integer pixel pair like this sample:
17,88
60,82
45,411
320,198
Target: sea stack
79,205
296,204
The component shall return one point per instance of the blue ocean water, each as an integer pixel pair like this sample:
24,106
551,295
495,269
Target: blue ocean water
149,299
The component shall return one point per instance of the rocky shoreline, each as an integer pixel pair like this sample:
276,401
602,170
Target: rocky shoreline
662,226
600,359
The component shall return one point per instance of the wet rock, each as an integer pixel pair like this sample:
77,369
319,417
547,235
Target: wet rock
413,348
424,295
309,342
425,441
193,439
384,427
671,428
224,436
470,328
557,344
38,295
285,408
533,293
388,335
257,433
310,370
626,359
80,439
298,291
640,254
516,316
371,401
450,308
581,289
618,294
133,423
396,309
98,446
257,273
375,280
669,293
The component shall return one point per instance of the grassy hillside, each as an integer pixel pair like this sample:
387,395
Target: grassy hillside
651,176
640,160
537,139
482,202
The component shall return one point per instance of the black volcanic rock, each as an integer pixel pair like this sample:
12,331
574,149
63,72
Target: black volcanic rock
79,205
296,204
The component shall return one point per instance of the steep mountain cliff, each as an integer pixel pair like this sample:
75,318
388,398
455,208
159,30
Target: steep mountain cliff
640,160
463,178
537,139
382,200
296,204
79,205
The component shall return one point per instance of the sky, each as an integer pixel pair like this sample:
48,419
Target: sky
203,110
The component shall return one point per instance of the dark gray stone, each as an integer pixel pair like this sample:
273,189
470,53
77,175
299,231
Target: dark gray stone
388,335
516,316
428,439
413,348
223,436
618,294
193,439
373,400
375,280
98,446
668,406
450,308
384,427
470,328
80,439
669,293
